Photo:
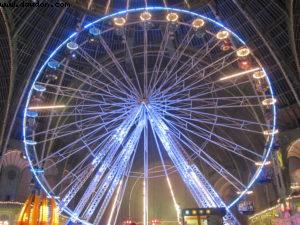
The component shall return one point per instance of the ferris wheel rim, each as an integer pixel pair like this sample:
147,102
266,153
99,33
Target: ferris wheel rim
271,142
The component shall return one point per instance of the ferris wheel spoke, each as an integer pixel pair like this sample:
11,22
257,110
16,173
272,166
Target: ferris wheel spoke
190,64
102,105
94,127
64,157
73,151
97,84
132,64
110,149
188,173
118,65
108,117
109,89
219,141
79,168
86,113
65,95
107,156
220,145
107,74
215,89
79,93
115,172
222,102
86,79
227,143
203,73
187,141
176,205
202,90
119,198
176,56
217,102
59,135
187,94
214,121
205,157
206,49
230,99
119,192
62,127
213,116
145,70
159,59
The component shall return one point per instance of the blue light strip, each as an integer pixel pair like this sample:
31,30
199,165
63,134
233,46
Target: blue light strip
109,151
118,168
126,171
200,188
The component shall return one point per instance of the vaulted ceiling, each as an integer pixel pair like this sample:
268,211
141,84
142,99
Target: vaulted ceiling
28,35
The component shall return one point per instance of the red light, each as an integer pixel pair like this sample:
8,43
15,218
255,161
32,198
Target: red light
245,64
155,221
128,222
226,45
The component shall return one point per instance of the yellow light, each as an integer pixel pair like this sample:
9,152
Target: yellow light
145,219
272,208
239,74
198,23
194,212
261,163
177,208
242,52
34,217
247,193
36,211
295,186
44,212
46,107
114,204
23,217
208,211
145,16
119,21
259,74
172,17
269,101
262,212
270,132
221,35
54,216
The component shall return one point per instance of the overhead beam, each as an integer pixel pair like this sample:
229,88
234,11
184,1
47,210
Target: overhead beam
11,78
291,31
13,109
267,42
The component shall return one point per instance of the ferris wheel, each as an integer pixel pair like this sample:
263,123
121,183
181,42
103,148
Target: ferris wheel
166,77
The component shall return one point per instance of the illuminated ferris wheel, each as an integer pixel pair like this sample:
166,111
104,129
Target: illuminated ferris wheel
170,78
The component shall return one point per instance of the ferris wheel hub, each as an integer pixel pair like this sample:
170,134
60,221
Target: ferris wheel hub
143,101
